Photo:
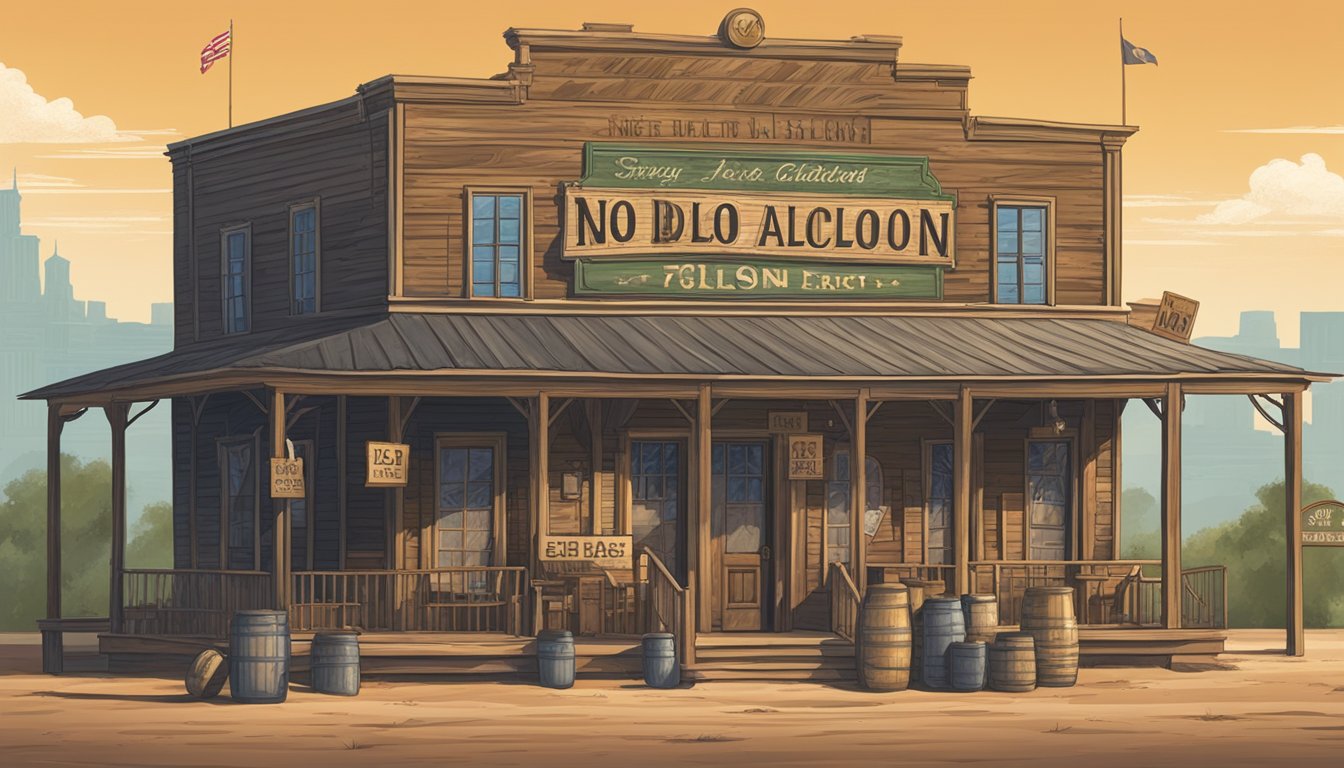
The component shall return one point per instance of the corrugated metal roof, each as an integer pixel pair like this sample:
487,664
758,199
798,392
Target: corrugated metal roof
765,346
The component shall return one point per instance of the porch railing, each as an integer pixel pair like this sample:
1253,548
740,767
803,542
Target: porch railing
459,599
190,602
1204,597
891,572
665,605
845,602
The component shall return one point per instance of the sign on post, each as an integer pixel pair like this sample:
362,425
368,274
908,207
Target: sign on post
1323,524
603,551
805,458
287,479
387,464
1175,317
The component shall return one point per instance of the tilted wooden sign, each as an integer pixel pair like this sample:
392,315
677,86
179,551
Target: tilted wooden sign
388,464
1175,317
1323,524
786,422
287,479
806,461
603,551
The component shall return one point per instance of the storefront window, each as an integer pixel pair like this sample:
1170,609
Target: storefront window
497,228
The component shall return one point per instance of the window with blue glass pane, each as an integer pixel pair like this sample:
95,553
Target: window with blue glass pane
1020,247
303,259
496,245
236,258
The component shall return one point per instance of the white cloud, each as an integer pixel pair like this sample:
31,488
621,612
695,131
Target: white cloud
138,152
1304,189
30,118
1328,130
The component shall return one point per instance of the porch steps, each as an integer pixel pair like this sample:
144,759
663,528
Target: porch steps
770,656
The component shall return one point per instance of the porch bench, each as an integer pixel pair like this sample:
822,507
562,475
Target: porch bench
53,638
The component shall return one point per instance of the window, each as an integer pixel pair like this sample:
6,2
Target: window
241,489
303,255
656,492
737,485
469,524
1049,498
497,243
237,278
1023,253
301,510
839,506
938,503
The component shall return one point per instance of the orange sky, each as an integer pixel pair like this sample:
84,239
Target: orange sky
1225,67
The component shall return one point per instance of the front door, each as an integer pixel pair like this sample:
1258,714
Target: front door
741,528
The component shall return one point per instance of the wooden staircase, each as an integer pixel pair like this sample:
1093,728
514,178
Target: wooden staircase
774,656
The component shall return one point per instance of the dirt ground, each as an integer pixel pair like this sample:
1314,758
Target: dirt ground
1265,709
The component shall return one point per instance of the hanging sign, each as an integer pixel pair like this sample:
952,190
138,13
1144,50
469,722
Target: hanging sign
287,479
1175,317
805,458
603,551
786,422
387,464
1323,524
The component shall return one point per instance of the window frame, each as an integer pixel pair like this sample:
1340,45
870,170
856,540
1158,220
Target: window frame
316,205
524,245
1072,534
498,442
1047,203
225,233
625,488
926,453
221,458
868,478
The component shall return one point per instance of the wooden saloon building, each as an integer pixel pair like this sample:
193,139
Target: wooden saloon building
655,332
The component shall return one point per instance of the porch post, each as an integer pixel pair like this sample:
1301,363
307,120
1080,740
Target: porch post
1292,485
1172,403
116,420
53,654
858,493
541,476
280,556
963,423
699,556
396,495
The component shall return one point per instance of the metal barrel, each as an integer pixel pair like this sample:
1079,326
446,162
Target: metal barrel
661,669
259,657
335,663
555,658
943,626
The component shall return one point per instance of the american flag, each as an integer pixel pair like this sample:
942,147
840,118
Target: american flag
215,50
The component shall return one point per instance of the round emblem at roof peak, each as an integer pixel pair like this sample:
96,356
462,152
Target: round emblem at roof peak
742,28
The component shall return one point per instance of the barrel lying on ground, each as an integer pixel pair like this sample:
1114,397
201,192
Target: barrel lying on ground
884,640
259,657
1047,613
943,626
966,665
205,678
661,669
555,658
1012,663
335,663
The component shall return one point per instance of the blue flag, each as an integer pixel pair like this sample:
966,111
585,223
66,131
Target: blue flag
1133,54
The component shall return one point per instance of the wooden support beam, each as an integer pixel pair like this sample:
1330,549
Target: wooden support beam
406,413
117,422
719,406
539,456
198,404
858,466
595,426
343,482
1292,474
1171,507
520,406
844,418
550,422
699,553
685,414
281,567
131,421
983,412
255,401
1087,449
53,658
1279,423
874,407
940,408
962,420
1155,406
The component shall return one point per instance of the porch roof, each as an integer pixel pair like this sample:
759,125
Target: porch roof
702,347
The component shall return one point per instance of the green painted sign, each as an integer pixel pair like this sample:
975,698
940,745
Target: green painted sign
754,278
636,166
1323,524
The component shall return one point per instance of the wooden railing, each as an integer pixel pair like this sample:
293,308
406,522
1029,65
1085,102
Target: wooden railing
845,602
460,599
1106,591
1204,597
665,605
194,602
891,572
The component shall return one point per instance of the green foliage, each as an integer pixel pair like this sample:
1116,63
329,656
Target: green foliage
1140,534
86,512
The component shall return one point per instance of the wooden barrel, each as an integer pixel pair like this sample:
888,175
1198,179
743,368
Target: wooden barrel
661,669
884,638
943,626
208,672
1012,663
1047,613
982,617
555,658
335,663
916,589
259,657
966,665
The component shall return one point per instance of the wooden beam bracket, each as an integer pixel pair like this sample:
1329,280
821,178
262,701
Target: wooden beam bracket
555,414
844,418
137,416
521,406
719,406
686,414
257,402
1278,423
939,407
406,416
1155,405
975,422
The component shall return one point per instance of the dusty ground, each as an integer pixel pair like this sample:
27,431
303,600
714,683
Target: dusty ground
1269,710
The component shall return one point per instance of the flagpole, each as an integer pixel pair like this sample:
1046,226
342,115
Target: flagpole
1123,101
231,73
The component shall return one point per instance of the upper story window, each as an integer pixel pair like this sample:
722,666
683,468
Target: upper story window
303,259
1023,252
236,244
497,239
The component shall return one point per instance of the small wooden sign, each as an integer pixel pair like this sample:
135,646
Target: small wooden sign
1323,524
603,551
387,464
287,479
1175,317
806,461
786,422
872,520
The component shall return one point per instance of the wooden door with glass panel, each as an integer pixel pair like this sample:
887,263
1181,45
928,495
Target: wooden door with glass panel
741,531
467,526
